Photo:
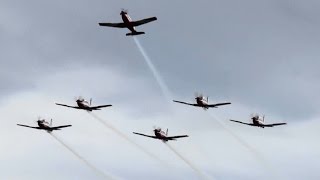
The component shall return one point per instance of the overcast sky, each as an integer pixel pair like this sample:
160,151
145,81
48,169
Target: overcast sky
261,55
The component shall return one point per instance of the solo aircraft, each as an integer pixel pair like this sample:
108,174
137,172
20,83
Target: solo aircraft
129,23
203,102
85,105
159,134
44,125
259,122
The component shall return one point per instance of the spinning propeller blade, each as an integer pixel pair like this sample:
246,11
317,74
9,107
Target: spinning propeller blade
124,10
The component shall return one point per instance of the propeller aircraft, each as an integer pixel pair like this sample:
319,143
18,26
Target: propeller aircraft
161,135
258,121
85,105
203,102
44,125
128,23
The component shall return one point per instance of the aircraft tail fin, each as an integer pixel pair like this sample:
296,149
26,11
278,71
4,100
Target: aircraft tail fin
134,33
167,132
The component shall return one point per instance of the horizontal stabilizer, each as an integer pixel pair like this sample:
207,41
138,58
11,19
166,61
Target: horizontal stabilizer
134,33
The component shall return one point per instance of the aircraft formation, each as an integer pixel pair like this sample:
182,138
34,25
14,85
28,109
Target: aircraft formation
200,100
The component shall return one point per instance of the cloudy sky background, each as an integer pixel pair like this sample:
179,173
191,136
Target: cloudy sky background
260,55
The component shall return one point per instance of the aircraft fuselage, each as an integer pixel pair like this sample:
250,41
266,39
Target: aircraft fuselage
202,102
83,105
127,21
43,125
257,122
160,135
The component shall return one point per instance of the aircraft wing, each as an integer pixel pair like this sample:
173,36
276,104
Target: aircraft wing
218,104
29,126
98,107
276,124
76,107
117,25
59,127
145,135
185,103
143,21
250,124
176,137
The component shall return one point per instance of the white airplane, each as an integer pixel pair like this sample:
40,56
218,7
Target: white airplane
44,125
159,134
85,105
259,122
203,102
128,23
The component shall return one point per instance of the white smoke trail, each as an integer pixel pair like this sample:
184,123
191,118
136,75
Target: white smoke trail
108,125
161,83
97,171
254,151
199,173
164,88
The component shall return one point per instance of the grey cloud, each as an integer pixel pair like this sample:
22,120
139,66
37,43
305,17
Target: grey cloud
261,55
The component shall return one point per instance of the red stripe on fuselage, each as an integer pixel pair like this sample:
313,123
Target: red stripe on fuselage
127,21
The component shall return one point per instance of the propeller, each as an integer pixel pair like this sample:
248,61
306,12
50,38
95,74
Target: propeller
156,128
254,115
79,98
198,95
39,119
124,10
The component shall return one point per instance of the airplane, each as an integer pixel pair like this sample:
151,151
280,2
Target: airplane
85,105
128,23
203,102
44,125
259,122
161,135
